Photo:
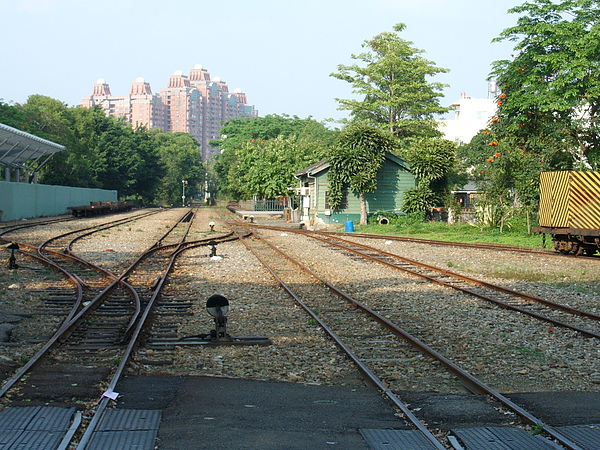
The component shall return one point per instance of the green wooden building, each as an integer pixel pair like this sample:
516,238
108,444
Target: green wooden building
393,179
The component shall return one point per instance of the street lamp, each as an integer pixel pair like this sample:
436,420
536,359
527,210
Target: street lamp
183,184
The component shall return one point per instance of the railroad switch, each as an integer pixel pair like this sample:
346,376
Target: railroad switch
213,249
12,247
217,307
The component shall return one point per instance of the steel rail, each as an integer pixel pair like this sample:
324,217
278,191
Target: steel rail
123,276
548,303
468,380
475,245
43,252
76,280
478,245
110,225
66,327
10,228
94,229
134,338
450,274
361,365
76,315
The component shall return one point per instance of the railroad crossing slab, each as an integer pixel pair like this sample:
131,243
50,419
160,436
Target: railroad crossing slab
561,408
501,438
36,427
396,439
126,428
586,436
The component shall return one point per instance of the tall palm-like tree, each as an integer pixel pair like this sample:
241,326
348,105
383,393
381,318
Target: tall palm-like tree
354,162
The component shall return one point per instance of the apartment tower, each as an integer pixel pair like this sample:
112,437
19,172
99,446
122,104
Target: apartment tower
194,104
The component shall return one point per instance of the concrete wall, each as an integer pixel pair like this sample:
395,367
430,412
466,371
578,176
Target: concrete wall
24,200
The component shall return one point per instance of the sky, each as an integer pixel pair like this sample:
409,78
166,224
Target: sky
280,53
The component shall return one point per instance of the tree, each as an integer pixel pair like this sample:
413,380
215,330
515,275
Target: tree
354,162
79,164
180,159
549,101
150,165
237,131
395,92
51,119
266,168
11,115
48,118
274,145
431,161
107,153
507,177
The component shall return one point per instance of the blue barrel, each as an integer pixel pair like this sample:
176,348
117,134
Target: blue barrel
349,226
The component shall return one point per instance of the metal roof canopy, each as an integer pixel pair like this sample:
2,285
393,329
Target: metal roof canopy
22,150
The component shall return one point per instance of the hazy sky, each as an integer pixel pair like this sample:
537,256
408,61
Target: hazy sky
279,52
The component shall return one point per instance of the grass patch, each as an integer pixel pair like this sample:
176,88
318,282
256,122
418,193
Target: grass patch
311,322
583,289
518,273
457,232
527,351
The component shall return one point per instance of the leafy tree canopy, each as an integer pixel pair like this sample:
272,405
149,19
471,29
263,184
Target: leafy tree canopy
393,86
433,163
180,158
430,159
259,155
237,131
107,153
266,168
355,160
550,91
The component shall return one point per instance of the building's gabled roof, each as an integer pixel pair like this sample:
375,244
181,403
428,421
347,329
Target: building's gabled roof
324,164
470,187
313,168
21,150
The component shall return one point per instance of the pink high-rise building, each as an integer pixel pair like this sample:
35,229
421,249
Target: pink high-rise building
192,104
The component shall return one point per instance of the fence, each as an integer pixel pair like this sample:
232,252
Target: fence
26,200
270,204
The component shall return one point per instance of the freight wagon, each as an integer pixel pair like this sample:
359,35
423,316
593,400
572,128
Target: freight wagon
98,208
570,210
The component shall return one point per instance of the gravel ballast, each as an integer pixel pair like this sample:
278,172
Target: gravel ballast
509,351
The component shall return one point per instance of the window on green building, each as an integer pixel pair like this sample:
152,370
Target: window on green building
344,202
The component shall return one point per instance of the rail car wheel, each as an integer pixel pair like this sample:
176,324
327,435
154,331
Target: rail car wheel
562,244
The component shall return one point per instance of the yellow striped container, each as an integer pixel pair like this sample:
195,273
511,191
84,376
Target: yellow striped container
570,199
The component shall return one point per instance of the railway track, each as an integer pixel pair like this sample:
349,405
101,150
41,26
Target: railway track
12,227
158,326
375,343
92,346
585,322
102,311
471,245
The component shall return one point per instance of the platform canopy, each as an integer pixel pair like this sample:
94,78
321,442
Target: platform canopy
22,150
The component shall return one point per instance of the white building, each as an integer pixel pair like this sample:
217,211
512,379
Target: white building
470,116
